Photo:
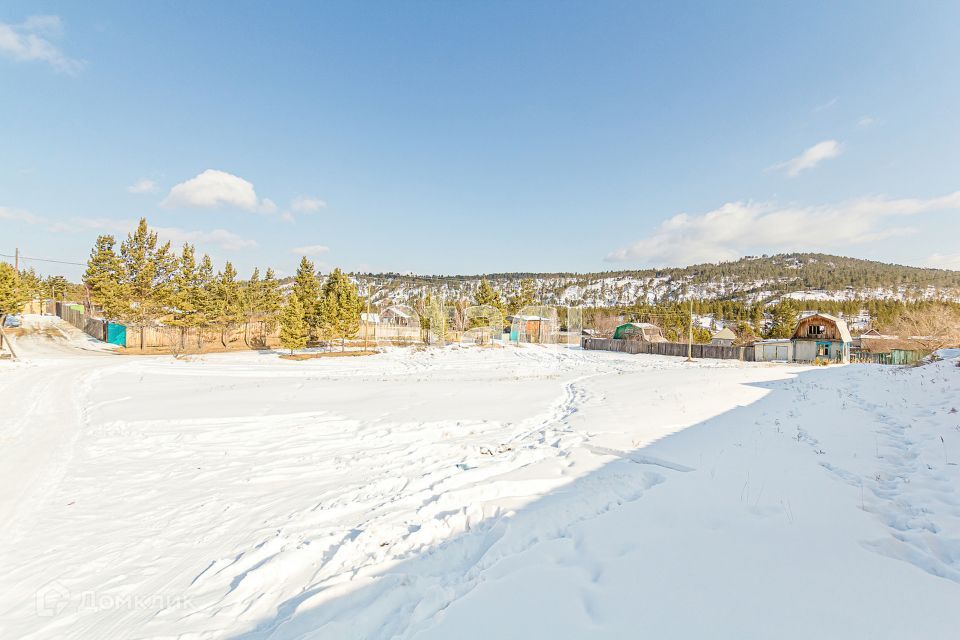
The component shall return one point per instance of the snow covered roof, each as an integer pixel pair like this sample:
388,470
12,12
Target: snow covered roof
641,325
725,334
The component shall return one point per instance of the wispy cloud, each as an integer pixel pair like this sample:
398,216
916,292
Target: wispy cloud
31,41
215,189
143,186
307,204
867,121
743,228
20,215
826,105
944,261
221,238
810,158
310,250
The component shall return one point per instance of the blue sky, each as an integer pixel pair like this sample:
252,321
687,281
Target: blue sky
443,138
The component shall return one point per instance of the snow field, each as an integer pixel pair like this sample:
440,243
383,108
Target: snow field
476,493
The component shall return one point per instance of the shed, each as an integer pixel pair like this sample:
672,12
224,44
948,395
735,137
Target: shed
773,350
821,336
724,338
639,331
529,328
398,316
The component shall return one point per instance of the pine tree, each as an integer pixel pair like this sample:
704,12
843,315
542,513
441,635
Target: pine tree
228,303
272,298
205,291
56,287
293,328
187,298
339,310
525,296
148,273
784,319
13,295
307,288
32,284
252,302
487,295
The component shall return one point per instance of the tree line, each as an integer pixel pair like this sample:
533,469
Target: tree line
143,282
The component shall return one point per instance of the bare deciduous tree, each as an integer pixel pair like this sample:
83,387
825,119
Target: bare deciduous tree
928,328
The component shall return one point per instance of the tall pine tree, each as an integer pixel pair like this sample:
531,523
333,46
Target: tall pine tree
339,310
228,301
188,295
307,288
12,293
148,273
104,278
293,328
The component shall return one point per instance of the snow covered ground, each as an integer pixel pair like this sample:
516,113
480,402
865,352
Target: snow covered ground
473,493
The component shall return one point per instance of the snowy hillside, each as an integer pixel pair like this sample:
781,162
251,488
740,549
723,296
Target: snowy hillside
531,492
801,276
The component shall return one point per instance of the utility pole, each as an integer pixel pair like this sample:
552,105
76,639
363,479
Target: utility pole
443,316
690,333
366,320
16,259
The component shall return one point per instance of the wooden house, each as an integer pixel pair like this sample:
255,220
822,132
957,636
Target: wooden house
723,338
821,336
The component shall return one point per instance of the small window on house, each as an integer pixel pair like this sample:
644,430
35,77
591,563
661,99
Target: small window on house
816,330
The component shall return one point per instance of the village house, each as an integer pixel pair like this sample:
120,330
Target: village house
821,336
817,337
723,338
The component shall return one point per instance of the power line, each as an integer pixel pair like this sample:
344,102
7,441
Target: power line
23,257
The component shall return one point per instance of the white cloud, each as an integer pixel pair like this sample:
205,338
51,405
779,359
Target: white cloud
310,250
119,227
213,189
867,121
19,215
143,186
307,204
826,105
942,261
810,158
742,228
221,238
29,42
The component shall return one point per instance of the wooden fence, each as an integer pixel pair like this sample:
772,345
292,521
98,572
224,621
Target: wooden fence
96,327
669,349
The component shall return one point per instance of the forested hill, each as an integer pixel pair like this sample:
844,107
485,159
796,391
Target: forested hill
811,271
752,278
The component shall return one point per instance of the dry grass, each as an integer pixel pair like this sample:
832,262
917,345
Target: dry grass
326,354
166,351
